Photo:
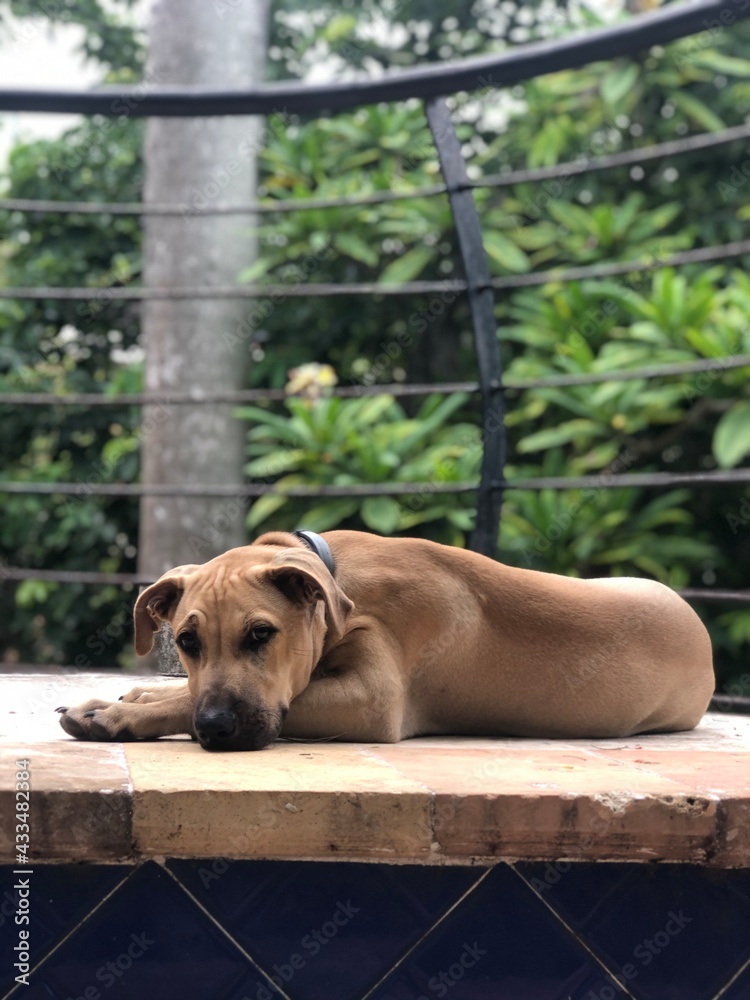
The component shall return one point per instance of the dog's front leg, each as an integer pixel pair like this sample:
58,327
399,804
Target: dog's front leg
159,692
124,721
362,704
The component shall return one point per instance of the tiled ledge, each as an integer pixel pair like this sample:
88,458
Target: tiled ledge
682,797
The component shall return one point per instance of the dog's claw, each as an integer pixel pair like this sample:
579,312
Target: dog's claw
88,715
121,697
62,708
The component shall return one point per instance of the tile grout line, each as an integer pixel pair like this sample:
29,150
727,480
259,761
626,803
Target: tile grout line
225,932
732,980
427,933
579,940
73,930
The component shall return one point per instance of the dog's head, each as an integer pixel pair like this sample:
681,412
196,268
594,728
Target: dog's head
249,627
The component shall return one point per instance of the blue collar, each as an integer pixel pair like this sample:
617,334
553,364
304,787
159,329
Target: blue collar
320,547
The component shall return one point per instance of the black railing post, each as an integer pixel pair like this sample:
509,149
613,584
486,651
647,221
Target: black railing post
481,302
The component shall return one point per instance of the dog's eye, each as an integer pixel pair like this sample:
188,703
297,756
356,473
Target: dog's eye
188,643
260,634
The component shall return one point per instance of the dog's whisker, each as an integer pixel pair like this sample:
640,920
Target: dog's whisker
311,739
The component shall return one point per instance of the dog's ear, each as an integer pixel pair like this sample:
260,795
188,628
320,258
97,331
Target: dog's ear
156,604
303,578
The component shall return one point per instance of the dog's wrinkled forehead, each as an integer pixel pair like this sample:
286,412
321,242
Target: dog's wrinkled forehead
222,593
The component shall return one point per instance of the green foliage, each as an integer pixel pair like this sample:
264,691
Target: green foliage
732,435
349,442
606,532
60,347
110,38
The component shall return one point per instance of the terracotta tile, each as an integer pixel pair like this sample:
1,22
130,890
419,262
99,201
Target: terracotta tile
80,801
522,803
292,801
724,775
733,844
721,772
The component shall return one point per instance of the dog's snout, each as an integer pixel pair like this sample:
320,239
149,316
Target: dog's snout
215,726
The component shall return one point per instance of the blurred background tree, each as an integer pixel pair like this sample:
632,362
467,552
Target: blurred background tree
695,537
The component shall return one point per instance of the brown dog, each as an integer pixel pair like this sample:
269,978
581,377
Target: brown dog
408,638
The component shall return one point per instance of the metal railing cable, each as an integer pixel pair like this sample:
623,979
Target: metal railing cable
599,480
397,389
102,295
569,168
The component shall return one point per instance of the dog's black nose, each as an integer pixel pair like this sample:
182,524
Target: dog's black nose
214,726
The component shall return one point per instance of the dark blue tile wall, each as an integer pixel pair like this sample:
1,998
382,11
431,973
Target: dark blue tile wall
246,930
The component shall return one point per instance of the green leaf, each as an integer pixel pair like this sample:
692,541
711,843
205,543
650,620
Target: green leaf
697,111
339,26
722,63
263,508
269,503
32,592
258,269
328,514
505,253
354,246
272,465
547,145
381,514
576,219
619,82
552,437
407,267
732,435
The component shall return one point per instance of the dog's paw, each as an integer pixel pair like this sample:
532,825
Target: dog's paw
97,720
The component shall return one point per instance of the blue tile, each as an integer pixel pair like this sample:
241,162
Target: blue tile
34,991
501,943
306,922
676,932
740,989
60,896
148,940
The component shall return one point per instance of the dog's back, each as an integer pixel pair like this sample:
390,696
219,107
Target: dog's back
491,649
